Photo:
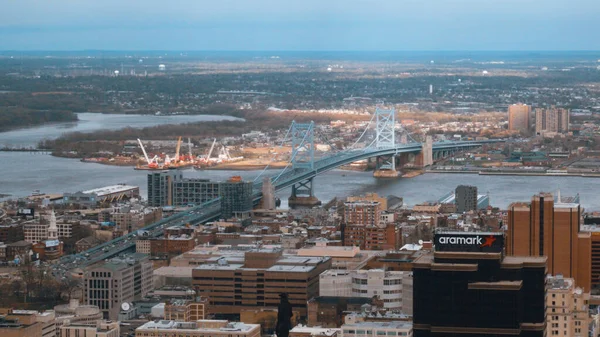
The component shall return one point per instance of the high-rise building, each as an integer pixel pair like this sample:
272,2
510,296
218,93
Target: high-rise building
160,187
466,198
551,120
518,117
236,197
389,286
567,308
257,281
117,281
467,287
169,188
194,191
549,227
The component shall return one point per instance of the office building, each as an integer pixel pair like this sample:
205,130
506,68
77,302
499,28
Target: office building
160,187
550,227
467,287
194,191
594,232
100,329
387,285
377,329
551,120
117,281
518,117
236,198
466,198
256,280
201,328
567,308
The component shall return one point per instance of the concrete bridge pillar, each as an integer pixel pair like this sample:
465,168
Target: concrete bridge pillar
386,167
427,152
302,195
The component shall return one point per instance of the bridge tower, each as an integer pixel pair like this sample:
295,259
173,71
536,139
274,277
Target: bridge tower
385,139
303,159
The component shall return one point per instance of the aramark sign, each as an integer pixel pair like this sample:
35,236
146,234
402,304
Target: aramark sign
469,242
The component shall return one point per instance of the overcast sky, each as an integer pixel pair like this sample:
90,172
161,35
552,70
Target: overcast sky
300,25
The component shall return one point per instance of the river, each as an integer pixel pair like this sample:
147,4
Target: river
88,122
25,172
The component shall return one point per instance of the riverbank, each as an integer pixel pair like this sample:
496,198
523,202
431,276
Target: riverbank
518,173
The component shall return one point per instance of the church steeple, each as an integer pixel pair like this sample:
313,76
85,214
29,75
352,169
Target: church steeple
52,228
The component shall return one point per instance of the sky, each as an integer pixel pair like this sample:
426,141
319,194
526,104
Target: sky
314,25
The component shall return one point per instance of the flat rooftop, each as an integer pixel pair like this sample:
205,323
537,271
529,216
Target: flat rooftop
111,189
192,326
380,325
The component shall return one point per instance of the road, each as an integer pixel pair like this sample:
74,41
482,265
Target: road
194,215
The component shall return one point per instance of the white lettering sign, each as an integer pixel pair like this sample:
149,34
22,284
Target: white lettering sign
476,240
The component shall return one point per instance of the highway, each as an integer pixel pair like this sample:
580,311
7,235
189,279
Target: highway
199,214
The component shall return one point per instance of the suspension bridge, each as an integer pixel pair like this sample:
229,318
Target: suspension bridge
304,165
382,147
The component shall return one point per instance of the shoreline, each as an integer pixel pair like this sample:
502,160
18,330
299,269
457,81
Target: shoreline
520,173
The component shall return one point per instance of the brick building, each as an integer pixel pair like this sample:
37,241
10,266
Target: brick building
257,281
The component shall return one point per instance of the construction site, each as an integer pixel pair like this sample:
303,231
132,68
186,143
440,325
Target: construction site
158,160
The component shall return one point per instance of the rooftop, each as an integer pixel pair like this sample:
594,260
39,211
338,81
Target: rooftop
380,325
110,189
315,330
193,326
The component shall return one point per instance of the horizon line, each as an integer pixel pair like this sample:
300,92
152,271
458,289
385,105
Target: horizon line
300,51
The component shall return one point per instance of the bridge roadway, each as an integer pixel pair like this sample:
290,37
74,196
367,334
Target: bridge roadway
212,210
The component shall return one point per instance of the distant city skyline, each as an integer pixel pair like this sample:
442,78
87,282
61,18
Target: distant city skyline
301,25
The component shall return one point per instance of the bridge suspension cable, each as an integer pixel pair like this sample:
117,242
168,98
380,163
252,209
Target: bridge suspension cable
364,131
294,153
275,155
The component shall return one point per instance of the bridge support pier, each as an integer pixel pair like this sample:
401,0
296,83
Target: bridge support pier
386,167
302,195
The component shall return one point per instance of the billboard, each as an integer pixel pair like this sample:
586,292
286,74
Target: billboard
25,212
469,242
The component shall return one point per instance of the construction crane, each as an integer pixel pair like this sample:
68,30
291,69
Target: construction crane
190,149
177,159
144,151
212,147
152,163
